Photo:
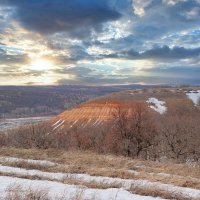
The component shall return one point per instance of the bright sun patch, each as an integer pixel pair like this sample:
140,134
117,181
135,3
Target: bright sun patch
41,65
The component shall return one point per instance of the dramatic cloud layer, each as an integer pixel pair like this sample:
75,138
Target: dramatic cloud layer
99,41
47,17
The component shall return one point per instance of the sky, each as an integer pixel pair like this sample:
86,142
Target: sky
99,42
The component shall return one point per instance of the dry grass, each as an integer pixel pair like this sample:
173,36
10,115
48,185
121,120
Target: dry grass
78,161
159,193
92,184
17,192
174,180
106,165
169,168
25,165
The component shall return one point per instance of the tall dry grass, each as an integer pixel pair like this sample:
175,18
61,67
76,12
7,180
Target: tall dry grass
18,192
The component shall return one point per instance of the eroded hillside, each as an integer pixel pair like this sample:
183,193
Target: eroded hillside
95,113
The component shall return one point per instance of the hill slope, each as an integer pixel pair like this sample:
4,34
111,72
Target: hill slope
95,113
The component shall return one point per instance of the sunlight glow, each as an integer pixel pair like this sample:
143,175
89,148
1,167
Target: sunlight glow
41,65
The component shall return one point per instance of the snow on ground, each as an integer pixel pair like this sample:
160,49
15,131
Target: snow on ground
96,122
6,124
56,123
194,96
36,162
59,190
74,123
59,124
158,106
163,175
47,163
126,183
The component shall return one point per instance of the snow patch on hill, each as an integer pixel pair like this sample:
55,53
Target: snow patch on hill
30,161
194,96
58,124
158,106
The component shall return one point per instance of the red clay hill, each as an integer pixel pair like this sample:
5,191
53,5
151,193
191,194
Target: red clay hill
89,114
96,112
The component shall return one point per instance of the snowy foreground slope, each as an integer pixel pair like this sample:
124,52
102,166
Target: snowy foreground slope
59,190
62,185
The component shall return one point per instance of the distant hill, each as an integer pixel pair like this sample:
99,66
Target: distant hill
23,101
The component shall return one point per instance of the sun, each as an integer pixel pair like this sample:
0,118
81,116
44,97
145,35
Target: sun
41,65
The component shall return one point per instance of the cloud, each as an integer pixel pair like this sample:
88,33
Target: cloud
49,17
161,19
77,71
180,74
170,53
139,6
6,58
100,41
158,53
184,70
193,13
150,79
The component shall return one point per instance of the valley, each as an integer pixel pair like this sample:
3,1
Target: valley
99,99
31,101
138,144
6,124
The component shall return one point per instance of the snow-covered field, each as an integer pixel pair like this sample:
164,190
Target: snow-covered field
61,184
17,122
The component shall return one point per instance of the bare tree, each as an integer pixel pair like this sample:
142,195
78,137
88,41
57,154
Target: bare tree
180,132
136,129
